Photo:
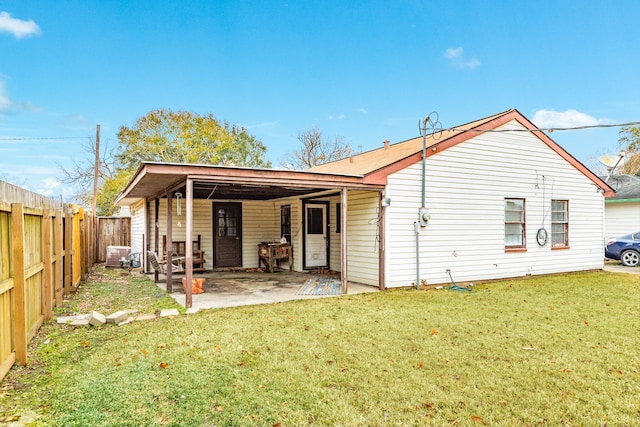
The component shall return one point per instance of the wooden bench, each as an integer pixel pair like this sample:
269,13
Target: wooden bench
179,249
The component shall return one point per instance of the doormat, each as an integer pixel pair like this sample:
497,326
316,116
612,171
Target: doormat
321,286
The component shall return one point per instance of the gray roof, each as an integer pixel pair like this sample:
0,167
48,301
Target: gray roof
626,187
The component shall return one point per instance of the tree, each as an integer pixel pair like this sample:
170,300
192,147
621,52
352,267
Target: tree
184,137
316,150
629,141
81,174
164,136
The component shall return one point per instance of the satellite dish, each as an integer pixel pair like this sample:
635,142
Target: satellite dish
610,161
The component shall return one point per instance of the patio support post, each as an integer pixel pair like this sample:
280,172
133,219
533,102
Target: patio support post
169,249
156,235
343,239
188,250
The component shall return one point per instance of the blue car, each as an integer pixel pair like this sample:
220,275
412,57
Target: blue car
625,248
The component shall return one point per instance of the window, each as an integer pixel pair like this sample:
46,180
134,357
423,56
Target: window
514,224
285,222
559,223
315,222
338,218
227,223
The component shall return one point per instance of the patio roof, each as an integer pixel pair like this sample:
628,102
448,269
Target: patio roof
154,180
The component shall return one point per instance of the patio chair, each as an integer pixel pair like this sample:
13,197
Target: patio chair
161,266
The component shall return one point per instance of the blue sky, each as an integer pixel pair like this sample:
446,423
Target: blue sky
366,71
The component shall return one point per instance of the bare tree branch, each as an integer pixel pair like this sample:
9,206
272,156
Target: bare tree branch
316,150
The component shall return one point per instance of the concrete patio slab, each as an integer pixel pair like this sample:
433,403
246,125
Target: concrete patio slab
237,288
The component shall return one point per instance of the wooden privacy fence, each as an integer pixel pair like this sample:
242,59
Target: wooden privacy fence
45,251
112,231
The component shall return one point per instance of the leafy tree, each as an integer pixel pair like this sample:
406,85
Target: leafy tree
184,137
316,150
629,141
164,136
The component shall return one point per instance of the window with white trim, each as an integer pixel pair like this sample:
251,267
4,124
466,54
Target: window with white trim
559,223
514,224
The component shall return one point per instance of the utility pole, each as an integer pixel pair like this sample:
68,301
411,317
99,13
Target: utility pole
94,204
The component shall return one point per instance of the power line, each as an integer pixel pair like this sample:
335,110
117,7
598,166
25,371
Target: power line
41,138
549,129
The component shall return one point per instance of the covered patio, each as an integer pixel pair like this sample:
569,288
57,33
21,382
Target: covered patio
231,211
238,288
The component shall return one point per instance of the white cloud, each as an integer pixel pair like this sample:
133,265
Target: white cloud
5,102
50,183
564,119
457,58
18,27
453,53
337,117
362,110
51,187
28,107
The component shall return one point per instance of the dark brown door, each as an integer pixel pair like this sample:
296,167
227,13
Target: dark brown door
227,234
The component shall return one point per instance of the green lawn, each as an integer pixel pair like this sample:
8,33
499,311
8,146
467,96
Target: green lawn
555,350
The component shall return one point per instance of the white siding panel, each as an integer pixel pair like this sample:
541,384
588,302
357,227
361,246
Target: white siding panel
260,223
334,237
362,237
202,225
466,187
621,218
138,228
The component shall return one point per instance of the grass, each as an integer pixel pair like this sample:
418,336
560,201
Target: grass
554,350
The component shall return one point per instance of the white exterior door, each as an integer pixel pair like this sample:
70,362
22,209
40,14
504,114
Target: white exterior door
315,248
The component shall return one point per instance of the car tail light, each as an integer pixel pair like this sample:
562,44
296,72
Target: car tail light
611,242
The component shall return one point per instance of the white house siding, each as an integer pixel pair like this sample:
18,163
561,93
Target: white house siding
362,237
202,217
621,218
335,238
466,187
260,223
138,227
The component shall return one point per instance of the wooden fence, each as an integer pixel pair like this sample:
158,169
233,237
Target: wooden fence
45,252
112,231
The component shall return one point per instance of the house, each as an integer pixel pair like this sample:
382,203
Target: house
501,199
622,210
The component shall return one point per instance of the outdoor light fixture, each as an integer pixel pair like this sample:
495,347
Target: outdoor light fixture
178,197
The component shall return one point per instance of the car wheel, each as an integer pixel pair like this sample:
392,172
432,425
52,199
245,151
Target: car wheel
630,258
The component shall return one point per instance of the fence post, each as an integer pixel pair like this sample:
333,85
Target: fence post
47,297
83,245
19,303
68,250
58,279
